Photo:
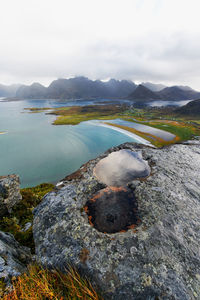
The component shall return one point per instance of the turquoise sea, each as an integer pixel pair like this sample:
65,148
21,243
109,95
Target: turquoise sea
40,152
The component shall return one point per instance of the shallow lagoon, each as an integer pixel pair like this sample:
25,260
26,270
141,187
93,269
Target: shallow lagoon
167,136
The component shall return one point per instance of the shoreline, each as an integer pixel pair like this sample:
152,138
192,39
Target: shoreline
152,139
126,132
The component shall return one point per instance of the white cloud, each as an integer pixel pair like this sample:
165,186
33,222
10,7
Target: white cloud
154,40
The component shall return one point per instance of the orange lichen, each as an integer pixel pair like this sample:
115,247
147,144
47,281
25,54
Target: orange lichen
132,226
86,209
84,255
90,220
117,189
94,198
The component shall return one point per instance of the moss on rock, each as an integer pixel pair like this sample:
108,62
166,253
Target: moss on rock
22,214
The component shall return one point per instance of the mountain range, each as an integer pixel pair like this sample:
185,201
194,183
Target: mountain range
8,90
142,93
77,88
82,87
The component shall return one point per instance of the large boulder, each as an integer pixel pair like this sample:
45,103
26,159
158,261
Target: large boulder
155,253
13,257
9,193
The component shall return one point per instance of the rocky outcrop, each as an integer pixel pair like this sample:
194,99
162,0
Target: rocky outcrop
13,257
9,193
155,253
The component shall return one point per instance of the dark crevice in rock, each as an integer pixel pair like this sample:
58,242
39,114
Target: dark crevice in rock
113,210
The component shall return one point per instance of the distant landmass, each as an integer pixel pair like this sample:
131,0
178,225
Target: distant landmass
82,87
142,93
78,87
190,109
33,91
157,87
178,93
8,90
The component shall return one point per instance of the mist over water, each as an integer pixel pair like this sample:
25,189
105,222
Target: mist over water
161,103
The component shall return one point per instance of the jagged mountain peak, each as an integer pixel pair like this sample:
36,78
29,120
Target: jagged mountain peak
142,93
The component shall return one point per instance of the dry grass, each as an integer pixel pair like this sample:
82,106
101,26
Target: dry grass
42,284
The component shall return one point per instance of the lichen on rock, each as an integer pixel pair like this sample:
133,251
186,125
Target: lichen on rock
9,193
13,257
159,259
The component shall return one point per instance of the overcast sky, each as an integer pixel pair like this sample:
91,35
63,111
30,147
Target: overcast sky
141,40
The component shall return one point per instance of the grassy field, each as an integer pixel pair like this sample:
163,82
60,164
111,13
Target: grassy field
73,115
37,109
183,130
76,114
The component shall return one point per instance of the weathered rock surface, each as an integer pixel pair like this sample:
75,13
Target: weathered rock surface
13,257
158,259
9,193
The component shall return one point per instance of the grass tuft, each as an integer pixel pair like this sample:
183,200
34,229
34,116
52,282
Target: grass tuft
40,284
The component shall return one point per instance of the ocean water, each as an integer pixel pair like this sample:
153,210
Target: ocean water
40,152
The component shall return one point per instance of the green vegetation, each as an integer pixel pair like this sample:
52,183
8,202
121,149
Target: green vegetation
76,114
37,109
183,130
40,284
22,214
165,119
2,287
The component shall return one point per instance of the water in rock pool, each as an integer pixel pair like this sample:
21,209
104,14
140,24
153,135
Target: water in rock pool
40,152
121,167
